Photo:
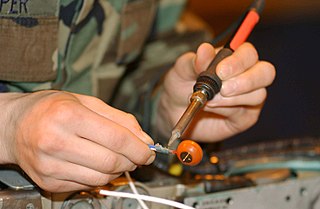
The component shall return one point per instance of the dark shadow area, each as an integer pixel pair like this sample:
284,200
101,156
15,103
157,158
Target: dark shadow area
292,108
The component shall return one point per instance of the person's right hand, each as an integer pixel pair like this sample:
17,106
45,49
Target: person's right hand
67,141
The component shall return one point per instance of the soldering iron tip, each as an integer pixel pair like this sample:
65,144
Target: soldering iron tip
173,138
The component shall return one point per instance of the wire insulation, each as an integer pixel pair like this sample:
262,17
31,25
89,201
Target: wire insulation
135,191
145,198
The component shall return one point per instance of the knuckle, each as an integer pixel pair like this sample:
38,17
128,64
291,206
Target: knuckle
253,115
101,179
133,121
50,143
119,139
131,117
55,106
45,170
263,96
268,72
180,62
252,119
270,68
133,167
61,110
144,157
252,51
242,85
245,57
259,97
110,164
48,184
93,100
248,117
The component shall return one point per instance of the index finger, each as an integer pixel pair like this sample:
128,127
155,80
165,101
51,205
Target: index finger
115,115
98,129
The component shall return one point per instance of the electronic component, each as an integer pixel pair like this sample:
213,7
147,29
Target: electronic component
275,174
159,148
189,152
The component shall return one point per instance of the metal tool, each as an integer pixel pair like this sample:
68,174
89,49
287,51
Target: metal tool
208,83
159,148
188,152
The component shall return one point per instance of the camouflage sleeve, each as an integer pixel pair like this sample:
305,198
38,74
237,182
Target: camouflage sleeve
141,86
139,89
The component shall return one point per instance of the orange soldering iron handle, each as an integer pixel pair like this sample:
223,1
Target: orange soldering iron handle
244,30
189,152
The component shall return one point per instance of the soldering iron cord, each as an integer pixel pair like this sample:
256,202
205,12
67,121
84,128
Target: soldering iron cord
145,198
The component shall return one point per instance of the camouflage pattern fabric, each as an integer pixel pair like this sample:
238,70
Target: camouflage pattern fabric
52,44
117,50
28,39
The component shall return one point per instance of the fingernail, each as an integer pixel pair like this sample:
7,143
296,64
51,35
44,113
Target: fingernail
224,72
146,138
228,88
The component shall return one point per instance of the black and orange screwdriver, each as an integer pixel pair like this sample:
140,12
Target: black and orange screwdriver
208,83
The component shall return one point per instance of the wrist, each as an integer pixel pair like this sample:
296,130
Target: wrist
9,112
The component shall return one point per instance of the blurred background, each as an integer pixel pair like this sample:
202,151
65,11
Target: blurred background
288,36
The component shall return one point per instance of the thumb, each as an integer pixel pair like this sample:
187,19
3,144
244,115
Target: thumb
204,56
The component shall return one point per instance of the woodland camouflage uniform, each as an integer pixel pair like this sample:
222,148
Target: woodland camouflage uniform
116,50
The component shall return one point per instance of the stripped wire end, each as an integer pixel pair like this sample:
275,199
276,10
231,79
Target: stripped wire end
160,149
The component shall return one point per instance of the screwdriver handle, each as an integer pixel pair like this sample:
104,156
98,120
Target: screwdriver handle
208,81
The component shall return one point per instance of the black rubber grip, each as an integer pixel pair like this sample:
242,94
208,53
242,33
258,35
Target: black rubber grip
208,81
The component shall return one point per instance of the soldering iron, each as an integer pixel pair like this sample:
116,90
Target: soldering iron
208,84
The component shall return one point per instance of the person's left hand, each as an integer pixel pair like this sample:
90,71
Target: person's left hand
233,110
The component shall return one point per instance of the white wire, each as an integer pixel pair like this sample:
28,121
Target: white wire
146,198
135,191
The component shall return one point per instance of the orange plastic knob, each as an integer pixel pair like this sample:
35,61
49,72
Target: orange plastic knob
189,152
